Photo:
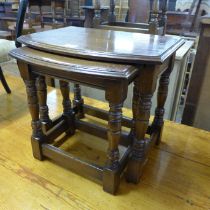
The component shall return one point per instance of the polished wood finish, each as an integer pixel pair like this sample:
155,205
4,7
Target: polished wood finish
42,96
113,78
105,45
78,101
175,176
110,77
141,114
155,24
158,121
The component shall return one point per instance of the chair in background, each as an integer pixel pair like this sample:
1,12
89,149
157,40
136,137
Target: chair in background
7,15
156,23
7,46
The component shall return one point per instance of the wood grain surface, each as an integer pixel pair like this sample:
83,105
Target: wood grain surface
105,45
177,175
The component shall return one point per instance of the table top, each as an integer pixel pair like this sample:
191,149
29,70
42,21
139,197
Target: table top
105,45
69,66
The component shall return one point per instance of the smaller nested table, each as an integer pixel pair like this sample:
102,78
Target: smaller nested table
102,59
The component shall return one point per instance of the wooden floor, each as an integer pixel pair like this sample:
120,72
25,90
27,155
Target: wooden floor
177,175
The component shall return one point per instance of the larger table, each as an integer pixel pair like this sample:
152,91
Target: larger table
109,60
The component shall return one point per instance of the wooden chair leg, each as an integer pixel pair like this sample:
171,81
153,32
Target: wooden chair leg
4,82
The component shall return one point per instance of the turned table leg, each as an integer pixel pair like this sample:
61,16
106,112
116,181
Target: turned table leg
37,138
144,87
78,101
136,96
42,98
111,175
158,122
37,134
67,108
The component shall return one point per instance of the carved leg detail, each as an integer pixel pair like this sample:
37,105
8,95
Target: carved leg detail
136,97
138,157
78,101
111,175
158,121
115,95
141,114
114,133
67,108
37,134
64,87
42,96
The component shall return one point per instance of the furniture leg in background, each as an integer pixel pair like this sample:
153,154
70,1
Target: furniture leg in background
158,121
4,82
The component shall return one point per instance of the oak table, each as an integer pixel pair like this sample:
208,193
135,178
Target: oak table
108,60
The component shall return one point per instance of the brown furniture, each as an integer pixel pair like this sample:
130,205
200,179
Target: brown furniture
156,20
97,58
94,16
196,112
6,15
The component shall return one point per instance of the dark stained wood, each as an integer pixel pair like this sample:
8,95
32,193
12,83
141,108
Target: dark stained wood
152,58
200,68
111,77
70,68
84,43
73,163
102,114
154,20
37,134
42,96
101,132
161,99
78,101
67,108
144,87
20,20
56,131
111,175
4,82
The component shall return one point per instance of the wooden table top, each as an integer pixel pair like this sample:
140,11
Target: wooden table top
72,66
105,45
